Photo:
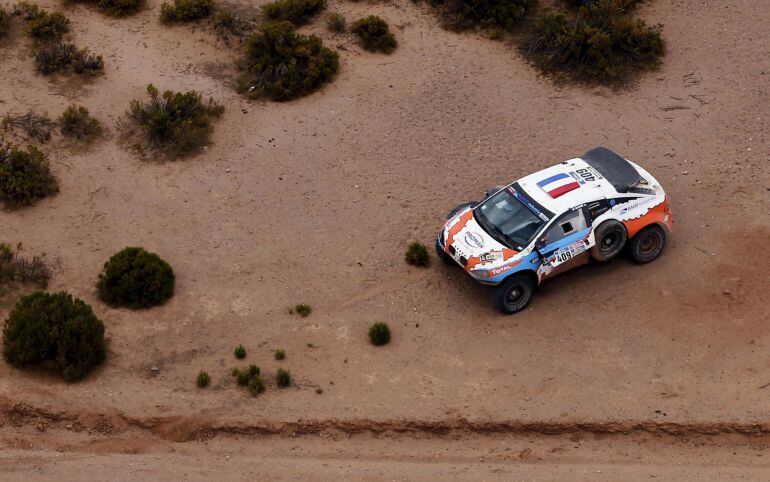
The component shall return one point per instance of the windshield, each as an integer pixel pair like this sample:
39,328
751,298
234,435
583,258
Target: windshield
505,216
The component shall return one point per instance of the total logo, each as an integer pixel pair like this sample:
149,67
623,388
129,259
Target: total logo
472,239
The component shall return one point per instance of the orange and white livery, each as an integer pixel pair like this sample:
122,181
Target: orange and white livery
556,219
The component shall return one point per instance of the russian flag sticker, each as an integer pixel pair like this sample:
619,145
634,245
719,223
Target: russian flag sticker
558,184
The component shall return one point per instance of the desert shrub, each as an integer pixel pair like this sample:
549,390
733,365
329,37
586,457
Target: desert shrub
374,34
379,333
48,25
56,332
599,42
186,10
5,22
303,309
624,4
15,267
64,57
24,176
283,378
467,14
240,352
282,64
176,122
279,354
135,278
36,126
253,370
76,122
116,8
417,254
242,377
203,379
256,385
297,12
336,22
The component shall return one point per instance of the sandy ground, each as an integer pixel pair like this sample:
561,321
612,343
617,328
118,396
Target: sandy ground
315,201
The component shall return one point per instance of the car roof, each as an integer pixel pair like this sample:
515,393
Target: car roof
566,185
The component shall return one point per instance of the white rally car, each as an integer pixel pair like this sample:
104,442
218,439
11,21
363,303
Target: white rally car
555,220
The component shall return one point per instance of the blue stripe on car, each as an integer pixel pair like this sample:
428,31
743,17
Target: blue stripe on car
551,179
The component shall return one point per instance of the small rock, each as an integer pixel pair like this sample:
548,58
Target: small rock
154,369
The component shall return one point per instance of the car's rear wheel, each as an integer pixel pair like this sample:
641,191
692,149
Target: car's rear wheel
610,238
444,256
647,245
514,294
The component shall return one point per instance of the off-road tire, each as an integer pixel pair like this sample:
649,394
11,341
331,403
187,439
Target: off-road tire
444,256
514,294
647,245
610,238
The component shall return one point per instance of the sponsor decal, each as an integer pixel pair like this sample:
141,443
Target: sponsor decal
567,253
473,239
489,257
502,269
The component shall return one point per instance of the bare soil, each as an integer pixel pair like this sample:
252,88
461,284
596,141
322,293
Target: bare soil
315,201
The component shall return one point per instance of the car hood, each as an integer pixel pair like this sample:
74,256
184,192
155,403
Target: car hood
470,244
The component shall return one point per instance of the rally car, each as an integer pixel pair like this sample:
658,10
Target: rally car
554,220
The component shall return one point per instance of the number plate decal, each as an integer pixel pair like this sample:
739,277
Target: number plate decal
567,253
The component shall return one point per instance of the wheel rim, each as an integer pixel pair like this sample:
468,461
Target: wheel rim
649,245
609,241
515,295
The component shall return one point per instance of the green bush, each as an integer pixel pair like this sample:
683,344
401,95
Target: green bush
56,332
203,379
64,57
178,123
623,4
24,176
5,22
374,34
116,8
253,370
242,377
303,309
417,254
279,354
186,10
336,22
256,385
76,122
135,278
15,267
240,352
48,25
379,333
283,378
282,64
495,14
297,12
600,42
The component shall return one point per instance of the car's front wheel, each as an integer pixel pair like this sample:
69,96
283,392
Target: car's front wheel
647,245
514,294
610,238
443,255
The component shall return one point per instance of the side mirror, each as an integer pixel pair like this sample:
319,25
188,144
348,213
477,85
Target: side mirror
540,243
492,190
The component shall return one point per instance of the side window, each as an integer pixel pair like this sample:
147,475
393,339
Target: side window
566,225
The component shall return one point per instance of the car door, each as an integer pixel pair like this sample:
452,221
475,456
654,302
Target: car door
563,244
